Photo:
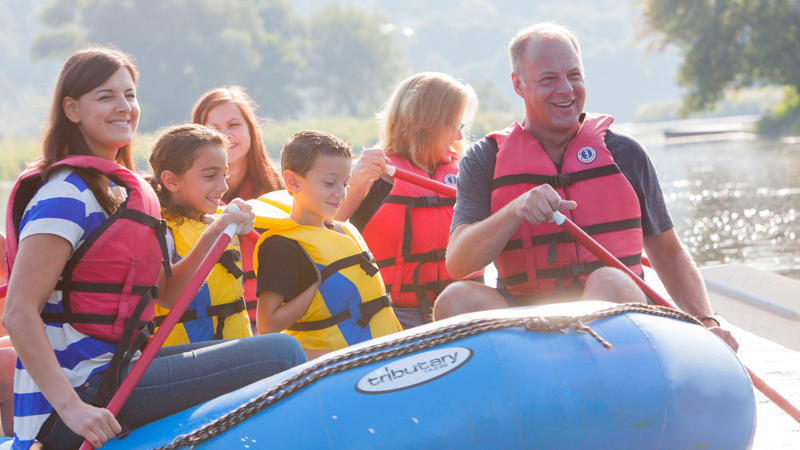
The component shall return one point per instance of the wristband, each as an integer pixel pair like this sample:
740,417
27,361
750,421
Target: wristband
710,318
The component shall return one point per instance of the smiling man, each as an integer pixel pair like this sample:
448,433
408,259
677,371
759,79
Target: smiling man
560,158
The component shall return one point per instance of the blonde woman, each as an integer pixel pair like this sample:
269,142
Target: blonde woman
406,227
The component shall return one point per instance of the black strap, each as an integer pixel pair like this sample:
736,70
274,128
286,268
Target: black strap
104,288
363,259
230,309
556,181
249,275
161,234
566,272
236,306
367,309
420,202
110,380
431,256
251,305
563,236
229,259
436,286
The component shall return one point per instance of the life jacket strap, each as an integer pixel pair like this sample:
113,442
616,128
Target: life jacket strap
364,259
556,181
229,259
104,288
563,237
226,309
428,257
566,272
436,286
368,310
161,233
249,275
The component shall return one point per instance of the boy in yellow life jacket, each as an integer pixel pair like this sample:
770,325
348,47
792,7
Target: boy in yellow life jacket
315,277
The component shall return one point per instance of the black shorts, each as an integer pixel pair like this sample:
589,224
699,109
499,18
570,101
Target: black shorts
570,293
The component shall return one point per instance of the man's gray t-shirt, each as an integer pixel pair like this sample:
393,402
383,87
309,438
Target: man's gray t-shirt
476,171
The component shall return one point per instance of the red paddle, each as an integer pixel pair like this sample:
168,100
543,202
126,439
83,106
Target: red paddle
170,321
608,259
3,290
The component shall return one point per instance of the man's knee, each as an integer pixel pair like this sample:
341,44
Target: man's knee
612,285
464,297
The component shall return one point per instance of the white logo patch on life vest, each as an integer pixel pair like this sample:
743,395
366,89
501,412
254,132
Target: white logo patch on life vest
450,179
586,155
414,370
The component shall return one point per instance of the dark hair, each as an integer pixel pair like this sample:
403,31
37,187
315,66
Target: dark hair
260,171
175,149
301,150
84,71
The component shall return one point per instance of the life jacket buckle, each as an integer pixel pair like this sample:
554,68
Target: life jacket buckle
561,180
437,255
428,202
574,270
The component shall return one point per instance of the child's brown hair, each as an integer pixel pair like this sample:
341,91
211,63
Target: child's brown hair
301,150
176,149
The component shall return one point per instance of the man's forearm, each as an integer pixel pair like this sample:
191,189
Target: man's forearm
685,284
473,247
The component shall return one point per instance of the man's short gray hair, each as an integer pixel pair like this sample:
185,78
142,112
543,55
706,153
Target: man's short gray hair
546,30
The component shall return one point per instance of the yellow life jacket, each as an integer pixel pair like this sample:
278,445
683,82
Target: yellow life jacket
219,297
351,304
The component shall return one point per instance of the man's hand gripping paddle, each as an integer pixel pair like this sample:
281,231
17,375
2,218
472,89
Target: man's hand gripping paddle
608,259
171,320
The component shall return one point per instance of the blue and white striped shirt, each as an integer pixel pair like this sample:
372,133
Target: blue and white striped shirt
66,207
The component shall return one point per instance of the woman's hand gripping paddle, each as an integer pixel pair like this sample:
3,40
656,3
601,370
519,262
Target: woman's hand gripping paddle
608,259
171,320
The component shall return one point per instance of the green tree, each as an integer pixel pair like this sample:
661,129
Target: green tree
185,47
727,43
353,59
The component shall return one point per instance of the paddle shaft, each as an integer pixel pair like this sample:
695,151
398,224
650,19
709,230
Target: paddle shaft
608,259
3,290
172,318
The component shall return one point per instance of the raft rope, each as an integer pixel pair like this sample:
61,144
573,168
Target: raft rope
407,345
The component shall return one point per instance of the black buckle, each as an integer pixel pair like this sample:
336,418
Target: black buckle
428,202
561,180
574,270
437,255
239,305
155,290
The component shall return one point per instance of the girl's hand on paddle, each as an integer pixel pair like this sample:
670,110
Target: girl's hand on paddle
726,336
369,166
538,204
244,217
97,425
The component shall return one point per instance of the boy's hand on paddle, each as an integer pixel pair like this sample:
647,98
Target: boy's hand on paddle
369,166
244,217
97,425
726,336
538,204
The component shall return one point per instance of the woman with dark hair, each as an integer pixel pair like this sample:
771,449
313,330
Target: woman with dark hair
85,249
250,172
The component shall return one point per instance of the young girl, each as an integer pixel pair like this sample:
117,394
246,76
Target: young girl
85,257
189,165
250,172
405,226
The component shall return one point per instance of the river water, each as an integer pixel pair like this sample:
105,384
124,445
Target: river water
735,199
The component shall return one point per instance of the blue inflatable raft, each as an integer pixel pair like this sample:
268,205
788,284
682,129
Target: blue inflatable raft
490,381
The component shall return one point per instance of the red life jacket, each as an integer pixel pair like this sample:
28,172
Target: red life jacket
536,257
110,282
408,236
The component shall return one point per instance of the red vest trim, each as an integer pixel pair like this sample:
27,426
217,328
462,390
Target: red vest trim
113,276
536,257
408,236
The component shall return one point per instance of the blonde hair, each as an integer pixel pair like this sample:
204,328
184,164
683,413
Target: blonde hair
541,30
415,122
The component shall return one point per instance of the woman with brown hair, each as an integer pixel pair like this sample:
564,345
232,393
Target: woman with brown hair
85,250
250,172
407,227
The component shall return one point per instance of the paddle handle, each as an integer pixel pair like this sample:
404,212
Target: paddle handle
418,180
3,290
174,315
